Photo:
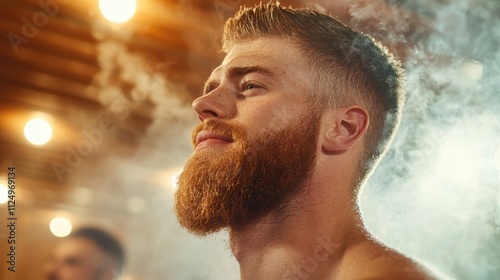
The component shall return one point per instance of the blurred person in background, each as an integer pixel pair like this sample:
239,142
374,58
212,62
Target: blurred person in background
87,254
293,122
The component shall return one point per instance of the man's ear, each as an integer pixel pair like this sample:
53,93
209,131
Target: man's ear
345,126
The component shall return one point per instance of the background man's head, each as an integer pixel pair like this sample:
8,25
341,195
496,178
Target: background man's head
266,166
87,254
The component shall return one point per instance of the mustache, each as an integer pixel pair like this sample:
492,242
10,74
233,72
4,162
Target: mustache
233,131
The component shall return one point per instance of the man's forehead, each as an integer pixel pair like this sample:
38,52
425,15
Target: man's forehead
75,245
245,61
271,53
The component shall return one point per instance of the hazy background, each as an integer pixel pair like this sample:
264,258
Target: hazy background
435,196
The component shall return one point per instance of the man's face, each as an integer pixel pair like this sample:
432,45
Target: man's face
256,146
77,259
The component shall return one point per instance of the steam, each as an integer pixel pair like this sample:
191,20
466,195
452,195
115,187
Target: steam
435,196
134,192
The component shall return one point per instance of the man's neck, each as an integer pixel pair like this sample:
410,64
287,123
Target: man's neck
306,240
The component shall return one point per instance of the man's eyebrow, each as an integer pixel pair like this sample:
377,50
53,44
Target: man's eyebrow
237,71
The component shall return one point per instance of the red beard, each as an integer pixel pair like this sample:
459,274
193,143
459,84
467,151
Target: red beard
234,185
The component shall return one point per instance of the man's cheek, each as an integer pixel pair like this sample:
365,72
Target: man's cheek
280,118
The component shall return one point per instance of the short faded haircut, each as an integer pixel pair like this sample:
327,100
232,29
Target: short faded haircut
105,242
351,68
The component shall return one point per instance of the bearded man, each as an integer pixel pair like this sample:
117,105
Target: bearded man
293,122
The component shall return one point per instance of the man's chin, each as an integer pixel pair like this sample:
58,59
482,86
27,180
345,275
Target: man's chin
200,226
232,185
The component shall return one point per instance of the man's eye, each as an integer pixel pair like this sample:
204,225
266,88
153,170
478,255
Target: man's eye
249,86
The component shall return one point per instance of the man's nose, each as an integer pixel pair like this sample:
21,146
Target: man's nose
217,104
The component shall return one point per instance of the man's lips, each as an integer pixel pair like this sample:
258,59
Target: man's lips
205,137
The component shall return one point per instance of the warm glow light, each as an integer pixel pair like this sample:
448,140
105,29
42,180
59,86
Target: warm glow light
38,131
117,11
60,227
4,197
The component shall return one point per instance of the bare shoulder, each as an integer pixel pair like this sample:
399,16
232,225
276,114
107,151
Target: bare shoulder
374,261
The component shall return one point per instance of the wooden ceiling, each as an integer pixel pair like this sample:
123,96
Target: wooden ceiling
50,70
51,63
70,67
51,58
